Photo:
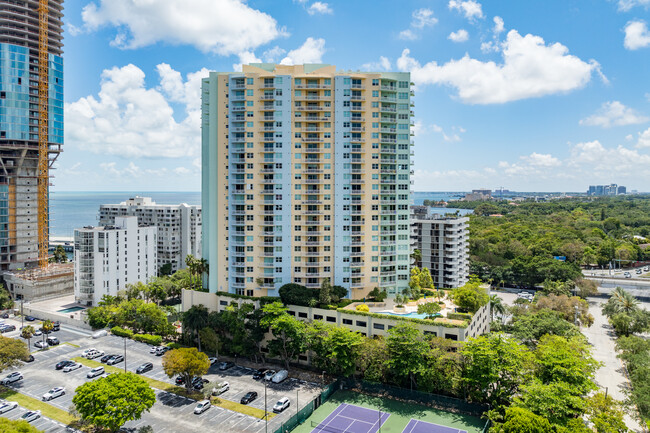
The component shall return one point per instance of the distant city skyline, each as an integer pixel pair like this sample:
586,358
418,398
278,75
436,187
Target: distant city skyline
546,96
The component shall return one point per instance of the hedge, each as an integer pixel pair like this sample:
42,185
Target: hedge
263,299
408,319
121,332
460,316
154,340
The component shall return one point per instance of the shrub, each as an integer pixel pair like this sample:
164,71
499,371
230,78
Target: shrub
121,332
175,345
459,316
363,307
154,340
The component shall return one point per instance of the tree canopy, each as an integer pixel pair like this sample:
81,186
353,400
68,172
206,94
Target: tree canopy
185,362
12,352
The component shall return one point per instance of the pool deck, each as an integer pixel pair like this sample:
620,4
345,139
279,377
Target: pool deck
55,305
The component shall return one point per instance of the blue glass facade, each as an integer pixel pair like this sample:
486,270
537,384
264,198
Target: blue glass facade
19,95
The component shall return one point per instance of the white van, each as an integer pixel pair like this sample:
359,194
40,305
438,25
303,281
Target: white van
280,376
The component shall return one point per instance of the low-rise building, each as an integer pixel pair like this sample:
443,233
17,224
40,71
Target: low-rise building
179,227
107,258
444,245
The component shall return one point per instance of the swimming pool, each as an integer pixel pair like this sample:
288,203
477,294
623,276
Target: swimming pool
71,310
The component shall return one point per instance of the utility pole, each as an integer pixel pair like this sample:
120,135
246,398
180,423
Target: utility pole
266,414
22,314
124,354
297,407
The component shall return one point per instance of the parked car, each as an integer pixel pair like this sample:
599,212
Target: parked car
226,365
645,269
101,333
202,406
281,405
260,373
6,406
105,358
97,371
71,367
249,397
153,349
147,366
220,388
180,380
5,315
197,382
12,378
115,360
30,358
31,415
54,393
269,374
52,341
94,354
212,360
63,364
56,326
30,318
162,350
280,376
85,353
8,328
38,333
40,344
627,275
639,271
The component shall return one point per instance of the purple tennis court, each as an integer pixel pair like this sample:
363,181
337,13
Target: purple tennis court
415,426
348,418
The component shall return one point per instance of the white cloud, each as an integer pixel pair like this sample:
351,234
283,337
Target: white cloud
420,129
182,171
499,25
626,5
636,35
614,114
470,9
309,52
224,27
644,139
273,54
319,8
530,69
459,36
593,157
420,18
129,120
245,58
382,65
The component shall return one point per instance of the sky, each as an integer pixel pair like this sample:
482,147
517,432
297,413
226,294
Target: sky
532,95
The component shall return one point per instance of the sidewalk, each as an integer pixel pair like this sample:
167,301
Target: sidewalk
611,374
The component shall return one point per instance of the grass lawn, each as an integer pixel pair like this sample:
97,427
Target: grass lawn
163,386
241,408
33,404
400,413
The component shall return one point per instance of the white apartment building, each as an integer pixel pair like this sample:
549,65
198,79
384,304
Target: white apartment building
444,245
107,258
179,226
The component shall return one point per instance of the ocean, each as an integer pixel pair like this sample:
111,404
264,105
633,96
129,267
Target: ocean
71,210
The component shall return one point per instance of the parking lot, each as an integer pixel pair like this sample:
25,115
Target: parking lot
171,412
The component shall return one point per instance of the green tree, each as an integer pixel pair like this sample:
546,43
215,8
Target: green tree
416,256
567,306
325,294
165,270
27,333
425,278
496,306
47,327
59,255
373,359
470,297
289,333
5,298
530,327
185,362
495,366
111,401
431,309
519,420
570,361
12,352
406,348
195,319
211,340
620,301
558,402
336,348
605,414
17,426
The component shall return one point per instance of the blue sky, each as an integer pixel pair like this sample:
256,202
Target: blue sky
528,95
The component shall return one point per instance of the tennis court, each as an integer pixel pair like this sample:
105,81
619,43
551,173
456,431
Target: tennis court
348,418
416,426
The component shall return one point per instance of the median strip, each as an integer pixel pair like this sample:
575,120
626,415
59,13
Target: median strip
31,403
241,408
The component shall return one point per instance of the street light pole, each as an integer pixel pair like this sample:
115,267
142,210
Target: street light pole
22,314
124,354
266,414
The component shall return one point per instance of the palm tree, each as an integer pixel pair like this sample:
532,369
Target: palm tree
195,319
202,268
191,264
624,301
416,255
496,306
27,333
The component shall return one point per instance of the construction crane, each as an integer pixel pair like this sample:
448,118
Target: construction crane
43,134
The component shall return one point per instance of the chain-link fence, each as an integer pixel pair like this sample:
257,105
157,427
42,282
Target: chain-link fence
306,411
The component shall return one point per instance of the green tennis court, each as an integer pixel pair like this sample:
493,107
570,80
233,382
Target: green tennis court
400,414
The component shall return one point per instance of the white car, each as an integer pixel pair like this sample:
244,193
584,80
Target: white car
31,415
220,388
11,378
153,349
69,368
85,353
54,393
38,332
280,376
281,405
95,354
6,406
97,371
269,375
212,360
202,406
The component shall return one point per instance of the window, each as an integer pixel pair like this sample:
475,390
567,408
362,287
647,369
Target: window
331,319
362,324
347,322
318,317
302,315
250,81
378,326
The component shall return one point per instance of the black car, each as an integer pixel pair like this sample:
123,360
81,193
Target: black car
30,318
197,382
5,315
8,328
147,366
30,359
115,360
180,380
56,326
260,373
250,396
105,358
226,365
62,364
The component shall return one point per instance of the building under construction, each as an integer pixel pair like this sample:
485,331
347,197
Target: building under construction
31,126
